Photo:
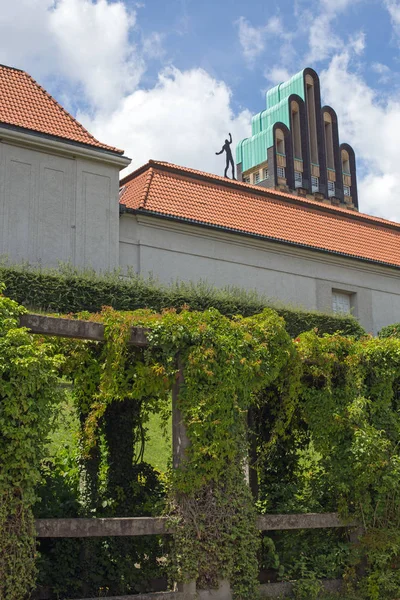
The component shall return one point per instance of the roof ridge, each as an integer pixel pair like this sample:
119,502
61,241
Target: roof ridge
68,114
279,194
146,188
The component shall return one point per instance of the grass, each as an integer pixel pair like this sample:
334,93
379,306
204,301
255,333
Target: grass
65,435
158,448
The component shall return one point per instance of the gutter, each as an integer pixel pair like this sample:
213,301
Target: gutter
151,213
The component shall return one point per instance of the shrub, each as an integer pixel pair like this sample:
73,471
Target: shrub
70,290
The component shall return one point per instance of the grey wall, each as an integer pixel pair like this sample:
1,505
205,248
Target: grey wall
293,275
58,207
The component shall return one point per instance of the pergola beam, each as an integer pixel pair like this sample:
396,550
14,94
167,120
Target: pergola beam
74,328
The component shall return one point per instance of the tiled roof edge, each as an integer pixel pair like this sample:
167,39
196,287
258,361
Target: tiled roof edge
12,68
135,173
263,192
105,149
169,217
146,188
65,112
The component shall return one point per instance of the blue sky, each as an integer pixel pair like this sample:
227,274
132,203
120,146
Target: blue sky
169,79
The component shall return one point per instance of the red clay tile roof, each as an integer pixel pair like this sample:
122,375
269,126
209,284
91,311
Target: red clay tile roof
24,103
185,194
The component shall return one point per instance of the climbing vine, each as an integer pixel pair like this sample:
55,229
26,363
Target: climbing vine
28,374
338,395
225,363
350,402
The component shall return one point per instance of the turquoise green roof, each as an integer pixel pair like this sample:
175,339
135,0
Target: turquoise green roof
253,150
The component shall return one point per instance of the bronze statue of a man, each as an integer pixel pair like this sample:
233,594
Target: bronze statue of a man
229,158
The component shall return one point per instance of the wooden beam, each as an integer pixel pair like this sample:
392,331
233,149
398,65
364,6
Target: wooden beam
148,596
285,589
74,328
132,526
301,521
72,528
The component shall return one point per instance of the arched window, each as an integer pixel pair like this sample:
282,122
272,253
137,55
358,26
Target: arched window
296,130
311,118
279,141
346,173
330,159
345,163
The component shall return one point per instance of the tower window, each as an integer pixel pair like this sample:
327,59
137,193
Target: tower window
311,116
345,162
265,174
298,179
330,161
257,177
331,188
280,171
296,130
314,184
280,141
346,190
246,179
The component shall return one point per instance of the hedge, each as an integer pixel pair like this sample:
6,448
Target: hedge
68,289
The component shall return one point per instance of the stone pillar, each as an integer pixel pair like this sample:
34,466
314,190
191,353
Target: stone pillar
180,442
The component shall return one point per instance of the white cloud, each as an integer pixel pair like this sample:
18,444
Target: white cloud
393,7
277,75
94,50
25,41
384,72
323,41
184,119
357,43
253,39
86,43
371,124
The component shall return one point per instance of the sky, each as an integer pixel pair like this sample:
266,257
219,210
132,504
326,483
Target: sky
169,79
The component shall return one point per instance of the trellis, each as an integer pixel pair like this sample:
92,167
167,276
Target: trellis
139,526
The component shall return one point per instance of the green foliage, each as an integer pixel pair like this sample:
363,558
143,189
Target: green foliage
350,403
390,331
307,589
325,413
225,363
28,371
69,290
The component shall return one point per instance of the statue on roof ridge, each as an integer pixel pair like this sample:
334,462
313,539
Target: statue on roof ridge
229,158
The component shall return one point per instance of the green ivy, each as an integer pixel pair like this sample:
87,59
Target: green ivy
350,402
28,375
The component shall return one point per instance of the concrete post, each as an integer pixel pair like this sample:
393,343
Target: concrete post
180,442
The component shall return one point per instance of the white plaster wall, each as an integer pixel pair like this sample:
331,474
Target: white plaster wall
301,277
56,207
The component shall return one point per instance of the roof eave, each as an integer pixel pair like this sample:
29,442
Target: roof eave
199,223
13,133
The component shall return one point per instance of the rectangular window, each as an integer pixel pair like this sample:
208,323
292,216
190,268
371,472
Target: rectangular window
265,173
315,184
246,179
346,190
331,188
341,302
298,179
280,171
257,177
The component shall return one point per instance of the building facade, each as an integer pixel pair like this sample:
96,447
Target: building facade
61,200
181,224
58,184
